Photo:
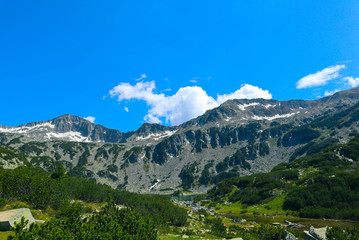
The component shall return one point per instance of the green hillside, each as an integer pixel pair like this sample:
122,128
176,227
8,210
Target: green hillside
320,185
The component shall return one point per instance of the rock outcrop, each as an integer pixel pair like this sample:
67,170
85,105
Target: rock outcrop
289,236
316,233
9,218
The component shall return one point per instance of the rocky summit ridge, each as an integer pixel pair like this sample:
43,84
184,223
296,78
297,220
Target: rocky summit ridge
240,137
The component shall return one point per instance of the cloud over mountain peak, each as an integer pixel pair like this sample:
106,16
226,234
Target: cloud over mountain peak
187,103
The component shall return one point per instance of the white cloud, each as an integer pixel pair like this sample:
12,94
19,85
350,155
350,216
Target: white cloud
90,118
329,93
246,91
320,78
194,80
187,103
142,76
353,82
140,91
151,119
126,109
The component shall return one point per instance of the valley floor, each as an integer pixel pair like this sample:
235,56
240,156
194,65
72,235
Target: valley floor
201,214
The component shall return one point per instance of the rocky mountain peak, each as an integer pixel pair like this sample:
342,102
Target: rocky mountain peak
68,123
344,96
239,111
152,128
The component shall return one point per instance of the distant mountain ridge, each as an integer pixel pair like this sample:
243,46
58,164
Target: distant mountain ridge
240,137
78,129
239,110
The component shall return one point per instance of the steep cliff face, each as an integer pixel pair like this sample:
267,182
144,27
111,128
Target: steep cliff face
239,137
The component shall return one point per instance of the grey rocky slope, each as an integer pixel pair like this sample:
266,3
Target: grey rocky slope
239,137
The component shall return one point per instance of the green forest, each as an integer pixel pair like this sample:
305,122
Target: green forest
110,223
42,190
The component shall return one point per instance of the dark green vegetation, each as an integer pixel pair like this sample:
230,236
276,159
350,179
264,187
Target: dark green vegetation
338,120
110,223
320,185
53,190
270,232
187,175
299,135
42,190
171,145
336,233
262,232
10,155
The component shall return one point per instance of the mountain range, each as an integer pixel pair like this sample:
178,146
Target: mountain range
240,137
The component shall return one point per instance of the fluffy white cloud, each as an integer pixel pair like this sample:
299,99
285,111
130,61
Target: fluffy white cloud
320,78
353,82
141,91
151,119
329,93
187,103
246,91
90,118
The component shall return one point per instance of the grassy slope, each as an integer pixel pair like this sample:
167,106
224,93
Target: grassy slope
5,235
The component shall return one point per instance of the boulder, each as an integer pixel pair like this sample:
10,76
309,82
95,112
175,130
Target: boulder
10,217
308,236
320,233
289,236
316,233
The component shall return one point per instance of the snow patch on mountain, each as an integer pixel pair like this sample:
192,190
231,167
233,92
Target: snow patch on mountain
26,129
68,136
269,105
156,185
273,117
156,136
244,106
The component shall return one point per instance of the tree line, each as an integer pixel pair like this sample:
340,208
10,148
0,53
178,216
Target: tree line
44,190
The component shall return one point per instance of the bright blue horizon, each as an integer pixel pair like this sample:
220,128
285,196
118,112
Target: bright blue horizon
66,57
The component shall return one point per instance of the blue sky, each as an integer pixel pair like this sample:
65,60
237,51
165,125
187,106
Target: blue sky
127,62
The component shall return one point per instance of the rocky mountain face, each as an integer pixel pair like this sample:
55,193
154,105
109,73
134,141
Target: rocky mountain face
65,128
239,137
